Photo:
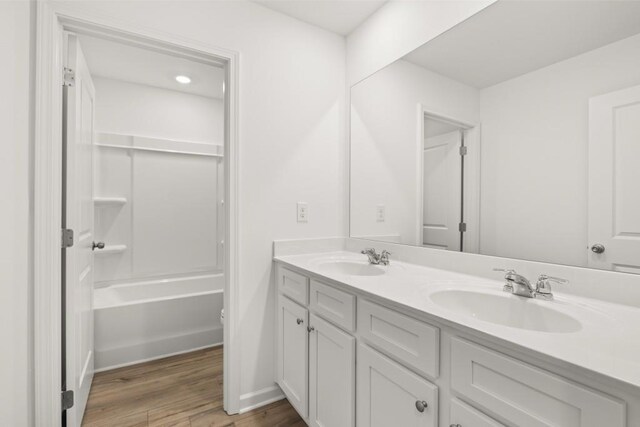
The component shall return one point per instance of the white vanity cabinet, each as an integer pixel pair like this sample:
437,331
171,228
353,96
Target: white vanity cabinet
316,360
346,360
525,395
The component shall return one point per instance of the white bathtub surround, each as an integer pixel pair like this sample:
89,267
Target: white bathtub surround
592,340
159,191
146,320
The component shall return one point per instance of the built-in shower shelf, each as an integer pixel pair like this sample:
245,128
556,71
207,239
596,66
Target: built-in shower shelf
111,249
109,201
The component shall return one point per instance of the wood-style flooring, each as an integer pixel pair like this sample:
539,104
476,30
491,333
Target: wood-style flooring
184,390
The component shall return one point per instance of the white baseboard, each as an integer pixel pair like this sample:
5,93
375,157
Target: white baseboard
150,359
256,399
107,359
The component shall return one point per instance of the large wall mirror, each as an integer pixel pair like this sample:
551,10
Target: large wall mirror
515,134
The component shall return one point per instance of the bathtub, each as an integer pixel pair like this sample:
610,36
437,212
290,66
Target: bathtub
151,319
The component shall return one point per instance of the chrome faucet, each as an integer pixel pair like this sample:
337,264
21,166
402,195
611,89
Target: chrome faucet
375,258
517,284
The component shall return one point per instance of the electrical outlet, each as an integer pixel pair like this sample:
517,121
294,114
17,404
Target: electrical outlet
380,214
303,212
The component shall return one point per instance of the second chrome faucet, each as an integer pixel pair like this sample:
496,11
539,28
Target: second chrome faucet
377,258
519,285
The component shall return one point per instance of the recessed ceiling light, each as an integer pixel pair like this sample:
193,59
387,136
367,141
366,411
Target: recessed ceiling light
183,79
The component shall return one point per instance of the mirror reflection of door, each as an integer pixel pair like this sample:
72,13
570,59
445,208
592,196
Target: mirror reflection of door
614,205
442,187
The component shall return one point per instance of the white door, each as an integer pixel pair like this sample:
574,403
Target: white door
78,259
293,353
391,395
614,181
332,363
442,169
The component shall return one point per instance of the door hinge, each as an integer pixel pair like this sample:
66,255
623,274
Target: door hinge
462,227
69,77
67,238
67,399
463,150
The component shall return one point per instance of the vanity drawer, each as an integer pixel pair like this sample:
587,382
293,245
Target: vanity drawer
464,415
334,305
410,341
525,395
293,285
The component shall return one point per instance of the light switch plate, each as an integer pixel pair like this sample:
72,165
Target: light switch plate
303,212
380,213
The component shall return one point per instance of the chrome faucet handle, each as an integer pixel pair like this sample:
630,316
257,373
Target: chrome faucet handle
374,258
508,272
522,285
384,257
543,286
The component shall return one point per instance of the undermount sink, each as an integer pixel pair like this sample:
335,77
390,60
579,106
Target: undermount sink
507,310
350,268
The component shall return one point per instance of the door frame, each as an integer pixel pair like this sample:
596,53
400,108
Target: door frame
47,312
471,176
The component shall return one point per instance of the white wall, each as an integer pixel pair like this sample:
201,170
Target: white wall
399,27
16,359
385,155
534,154
134,109
292,81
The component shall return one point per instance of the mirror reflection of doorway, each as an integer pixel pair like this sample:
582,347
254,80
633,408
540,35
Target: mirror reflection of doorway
443,195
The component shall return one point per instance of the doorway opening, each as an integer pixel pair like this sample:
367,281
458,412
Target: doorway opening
137,163
449,187
143,192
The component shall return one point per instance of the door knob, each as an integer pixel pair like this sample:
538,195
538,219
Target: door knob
421,405
598,248
99,245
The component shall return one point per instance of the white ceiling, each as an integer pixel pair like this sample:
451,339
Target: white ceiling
508,39
338,16
120,61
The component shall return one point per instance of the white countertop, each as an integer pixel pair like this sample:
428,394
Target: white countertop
608,342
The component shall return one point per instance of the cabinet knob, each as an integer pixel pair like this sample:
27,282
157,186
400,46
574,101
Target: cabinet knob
310,329
598,248
421,405
455,425
299,321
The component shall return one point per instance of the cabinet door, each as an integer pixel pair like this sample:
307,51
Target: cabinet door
293,353
463,415
332,375
391,395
